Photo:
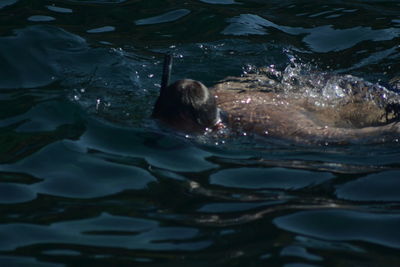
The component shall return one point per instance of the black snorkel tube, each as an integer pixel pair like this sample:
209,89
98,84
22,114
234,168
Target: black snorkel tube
166,74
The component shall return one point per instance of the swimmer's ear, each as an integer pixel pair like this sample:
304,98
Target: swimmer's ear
166,74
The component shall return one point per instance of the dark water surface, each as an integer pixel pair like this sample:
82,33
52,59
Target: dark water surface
87,178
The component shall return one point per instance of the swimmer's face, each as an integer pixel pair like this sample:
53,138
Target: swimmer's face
187,105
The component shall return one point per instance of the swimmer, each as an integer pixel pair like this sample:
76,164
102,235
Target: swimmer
257,104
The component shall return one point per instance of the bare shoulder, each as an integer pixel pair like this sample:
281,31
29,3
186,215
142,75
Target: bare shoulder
260,104
249,82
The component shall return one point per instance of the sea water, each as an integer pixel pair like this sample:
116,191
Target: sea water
87,178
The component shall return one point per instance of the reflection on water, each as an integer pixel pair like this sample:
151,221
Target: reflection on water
167,17
344,225
86,178
324,38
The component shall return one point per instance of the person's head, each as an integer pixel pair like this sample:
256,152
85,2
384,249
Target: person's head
186,105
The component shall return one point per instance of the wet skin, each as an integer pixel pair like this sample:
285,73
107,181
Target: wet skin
257,104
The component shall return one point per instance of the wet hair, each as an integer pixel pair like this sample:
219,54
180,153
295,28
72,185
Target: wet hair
186,104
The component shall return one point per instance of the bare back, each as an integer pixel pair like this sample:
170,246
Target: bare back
252,107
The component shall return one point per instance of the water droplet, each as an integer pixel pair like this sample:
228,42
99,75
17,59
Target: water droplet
98,102
194,185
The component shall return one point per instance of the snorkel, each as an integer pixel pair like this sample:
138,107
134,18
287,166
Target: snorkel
159,107
166,74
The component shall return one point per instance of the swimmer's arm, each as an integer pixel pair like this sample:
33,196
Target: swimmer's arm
348,135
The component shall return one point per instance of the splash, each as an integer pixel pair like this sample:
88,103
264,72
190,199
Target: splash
302,80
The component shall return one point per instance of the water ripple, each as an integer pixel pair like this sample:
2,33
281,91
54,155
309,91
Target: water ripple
220,2
344,225
102,29
106,231
380,187
166,17
254,178
87,178
5,3
320,39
